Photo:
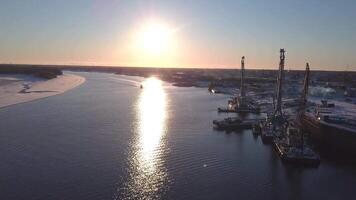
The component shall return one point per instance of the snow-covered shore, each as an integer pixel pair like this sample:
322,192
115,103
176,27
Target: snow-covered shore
16,89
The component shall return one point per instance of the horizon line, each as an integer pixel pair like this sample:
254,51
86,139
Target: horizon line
208,68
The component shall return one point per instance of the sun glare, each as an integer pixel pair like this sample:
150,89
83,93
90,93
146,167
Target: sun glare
152,111
148,175
154,43
155,38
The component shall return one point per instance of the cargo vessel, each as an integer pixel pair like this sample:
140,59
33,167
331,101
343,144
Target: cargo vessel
331,129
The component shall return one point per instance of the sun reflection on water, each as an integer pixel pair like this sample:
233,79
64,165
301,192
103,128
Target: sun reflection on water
152,109
148,177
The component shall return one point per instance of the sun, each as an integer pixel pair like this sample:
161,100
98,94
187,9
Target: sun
154,43
155,38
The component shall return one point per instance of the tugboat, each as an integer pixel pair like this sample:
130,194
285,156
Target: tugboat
231,124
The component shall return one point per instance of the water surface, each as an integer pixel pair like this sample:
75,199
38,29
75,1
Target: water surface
109,139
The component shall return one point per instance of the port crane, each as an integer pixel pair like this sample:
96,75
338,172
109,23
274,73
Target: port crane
278,109
242,87
241,103
303,100
275,123
278,116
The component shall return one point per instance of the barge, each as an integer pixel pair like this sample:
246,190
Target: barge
231,124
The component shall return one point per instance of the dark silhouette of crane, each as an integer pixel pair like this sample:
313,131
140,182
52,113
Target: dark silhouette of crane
278,115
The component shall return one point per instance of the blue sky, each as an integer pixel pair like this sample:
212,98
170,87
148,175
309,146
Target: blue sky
210,33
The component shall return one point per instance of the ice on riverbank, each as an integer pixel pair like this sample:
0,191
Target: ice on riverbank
15,89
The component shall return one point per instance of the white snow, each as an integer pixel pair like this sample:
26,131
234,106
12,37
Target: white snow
13,87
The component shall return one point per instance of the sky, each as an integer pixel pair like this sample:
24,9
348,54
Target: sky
194,33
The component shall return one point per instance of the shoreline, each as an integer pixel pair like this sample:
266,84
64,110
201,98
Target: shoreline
17,91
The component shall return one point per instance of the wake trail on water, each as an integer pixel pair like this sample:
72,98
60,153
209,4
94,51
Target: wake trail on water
129,82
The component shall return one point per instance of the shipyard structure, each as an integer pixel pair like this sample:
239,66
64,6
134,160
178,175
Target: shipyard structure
241,103
292,134
327,126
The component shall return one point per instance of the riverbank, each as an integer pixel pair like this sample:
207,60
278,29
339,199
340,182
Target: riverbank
17,89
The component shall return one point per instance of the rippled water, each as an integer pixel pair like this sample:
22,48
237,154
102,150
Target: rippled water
109,139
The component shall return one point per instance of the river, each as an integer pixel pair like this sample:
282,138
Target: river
109,139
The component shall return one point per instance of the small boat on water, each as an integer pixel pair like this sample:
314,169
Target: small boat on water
231,124
141,86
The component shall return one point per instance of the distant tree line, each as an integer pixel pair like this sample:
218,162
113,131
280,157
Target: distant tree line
38,71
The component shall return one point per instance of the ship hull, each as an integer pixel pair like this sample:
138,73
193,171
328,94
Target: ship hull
266,138
232,127
241,110
303,160
330,135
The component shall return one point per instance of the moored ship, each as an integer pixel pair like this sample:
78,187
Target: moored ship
230,124
293,148
331,129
